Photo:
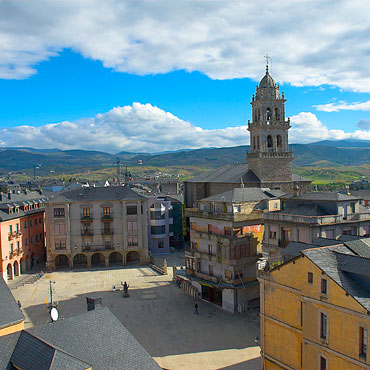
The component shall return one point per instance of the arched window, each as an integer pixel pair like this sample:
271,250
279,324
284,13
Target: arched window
278,141
277,114
269,141
268,114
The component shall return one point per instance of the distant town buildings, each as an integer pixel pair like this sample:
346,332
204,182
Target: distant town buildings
22,231
315,308
226,232
305,217
100,226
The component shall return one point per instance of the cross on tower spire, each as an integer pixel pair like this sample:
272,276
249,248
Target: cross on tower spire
267,61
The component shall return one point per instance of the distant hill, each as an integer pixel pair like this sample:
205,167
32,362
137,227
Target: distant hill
344,143
315,154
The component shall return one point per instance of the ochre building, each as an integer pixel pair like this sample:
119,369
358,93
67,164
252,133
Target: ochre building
315,310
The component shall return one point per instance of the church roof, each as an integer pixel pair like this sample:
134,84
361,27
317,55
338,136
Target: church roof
229,173
267,80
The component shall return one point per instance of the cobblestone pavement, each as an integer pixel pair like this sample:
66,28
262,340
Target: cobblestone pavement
157,313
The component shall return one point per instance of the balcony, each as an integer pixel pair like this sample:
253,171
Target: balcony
107,231
107,218
270,154
12,235
233,217
316,220
87,232
86,218
97,248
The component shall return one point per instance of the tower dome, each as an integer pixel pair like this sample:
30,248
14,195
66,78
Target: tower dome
267,80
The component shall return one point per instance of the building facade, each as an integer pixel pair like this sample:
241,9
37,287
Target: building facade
161,224
226,232
91,227
304,218
22,232
314,311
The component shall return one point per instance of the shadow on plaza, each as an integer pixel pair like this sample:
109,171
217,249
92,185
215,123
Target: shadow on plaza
161,317
255,363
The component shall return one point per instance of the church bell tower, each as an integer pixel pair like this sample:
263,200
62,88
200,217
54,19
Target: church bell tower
269,156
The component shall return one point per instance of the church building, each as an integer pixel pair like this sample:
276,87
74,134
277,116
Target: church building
269,159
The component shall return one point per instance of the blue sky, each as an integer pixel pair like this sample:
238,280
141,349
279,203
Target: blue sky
136,75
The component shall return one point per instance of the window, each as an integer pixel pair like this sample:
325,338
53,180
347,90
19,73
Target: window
59,229
18,246
210,270
272,234
35,221
17,228
10,229
133,241
31,223
106,211
131,225
37,238
363,341
25,224
227,231
60,244
86,212
158,230
160,244
108,244
31,239
11,247
40,220
323,326
131,209
209,249
26,241
194,245
58,212
238,274
324,286
310,278
157,215
323,363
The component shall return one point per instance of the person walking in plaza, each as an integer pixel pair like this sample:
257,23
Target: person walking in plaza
196,309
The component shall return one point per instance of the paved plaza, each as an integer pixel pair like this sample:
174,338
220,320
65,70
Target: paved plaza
157,313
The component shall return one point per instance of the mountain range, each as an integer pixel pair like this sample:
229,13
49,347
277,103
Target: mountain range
320,154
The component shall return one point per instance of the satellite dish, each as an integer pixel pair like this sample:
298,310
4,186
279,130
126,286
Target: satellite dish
54,314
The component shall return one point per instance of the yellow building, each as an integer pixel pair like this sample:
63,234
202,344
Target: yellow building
315,310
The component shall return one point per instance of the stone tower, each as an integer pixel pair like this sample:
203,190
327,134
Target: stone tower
269,156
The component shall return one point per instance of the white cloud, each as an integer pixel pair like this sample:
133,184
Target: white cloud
313,42
146,128
336,107
136,128
307,128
